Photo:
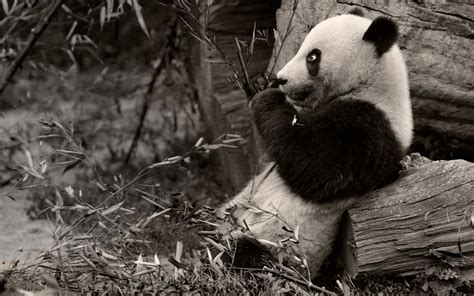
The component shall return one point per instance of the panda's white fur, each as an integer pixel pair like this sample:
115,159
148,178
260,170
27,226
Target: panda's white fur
267,204
348,62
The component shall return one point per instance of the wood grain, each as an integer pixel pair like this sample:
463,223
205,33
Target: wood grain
423,219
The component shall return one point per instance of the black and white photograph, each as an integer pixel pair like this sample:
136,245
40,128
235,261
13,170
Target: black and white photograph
236,147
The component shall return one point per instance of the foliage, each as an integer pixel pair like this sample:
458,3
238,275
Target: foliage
76,17
195,17
96,248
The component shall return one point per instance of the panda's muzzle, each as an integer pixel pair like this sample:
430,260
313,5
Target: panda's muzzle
300,93
300,98
306,96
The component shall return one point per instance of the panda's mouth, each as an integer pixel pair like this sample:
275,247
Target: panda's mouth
302,96
303,100
298,103
298,95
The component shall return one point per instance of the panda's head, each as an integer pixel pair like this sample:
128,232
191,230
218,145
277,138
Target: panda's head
345,54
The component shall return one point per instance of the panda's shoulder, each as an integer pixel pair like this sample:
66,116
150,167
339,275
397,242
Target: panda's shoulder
355,113
358,124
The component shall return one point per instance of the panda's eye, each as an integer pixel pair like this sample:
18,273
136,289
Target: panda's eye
312,62
313,56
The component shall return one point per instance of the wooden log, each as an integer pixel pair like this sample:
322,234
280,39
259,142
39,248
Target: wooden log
423,219
436,40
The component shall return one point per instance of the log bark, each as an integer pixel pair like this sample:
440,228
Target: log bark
424,219
436,40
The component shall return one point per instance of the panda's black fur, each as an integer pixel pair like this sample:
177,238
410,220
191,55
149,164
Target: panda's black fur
383,33
342,149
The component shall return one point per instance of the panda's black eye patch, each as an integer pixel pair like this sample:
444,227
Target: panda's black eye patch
313,56
312,61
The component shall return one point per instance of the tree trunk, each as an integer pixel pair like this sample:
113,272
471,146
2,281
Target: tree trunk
224,109
424,219
436,40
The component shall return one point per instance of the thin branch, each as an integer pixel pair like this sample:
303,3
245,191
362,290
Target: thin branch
199,30
247,85
287,33
157,69
34,36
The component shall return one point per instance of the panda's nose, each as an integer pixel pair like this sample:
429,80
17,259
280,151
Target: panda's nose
281,81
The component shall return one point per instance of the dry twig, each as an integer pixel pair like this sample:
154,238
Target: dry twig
163,61
34,36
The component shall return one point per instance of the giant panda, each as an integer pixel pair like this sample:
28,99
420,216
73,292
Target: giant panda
335,129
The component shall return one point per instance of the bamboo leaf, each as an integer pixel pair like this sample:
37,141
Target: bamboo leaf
73,41
199,142
71,31
112,209
29,159
14,5
141,20
102,18
87,39
157,261
252,42
5,7
64,7
110,9
32,172
297,232
72,165
65,151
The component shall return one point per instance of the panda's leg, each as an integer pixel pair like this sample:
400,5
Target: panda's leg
248,251
268,212
248,193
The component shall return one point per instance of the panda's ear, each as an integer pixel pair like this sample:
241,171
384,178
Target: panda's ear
382,33
356,11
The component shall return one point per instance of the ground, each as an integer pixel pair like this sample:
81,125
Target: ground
21,236
103,112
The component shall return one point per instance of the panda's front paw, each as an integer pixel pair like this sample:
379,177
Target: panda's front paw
268,96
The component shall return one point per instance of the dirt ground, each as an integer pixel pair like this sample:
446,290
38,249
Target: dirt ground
17,231
95,118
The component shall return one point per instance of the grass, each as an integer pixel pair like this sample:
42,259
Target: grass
106,244
139,228
146,227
